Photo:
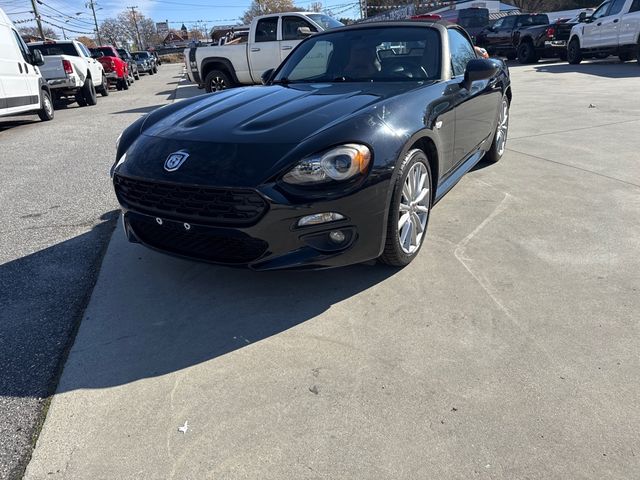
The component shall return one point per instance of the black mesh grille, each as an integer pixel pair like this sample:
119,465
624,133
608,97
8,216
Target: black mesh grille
196,204
238,248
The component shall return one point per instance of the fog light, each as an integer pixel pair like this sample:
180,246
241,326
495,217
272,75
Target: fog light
337,236
318,218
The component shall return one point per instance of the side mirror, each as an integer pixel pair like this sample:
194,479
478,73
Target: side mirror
479,69
36,58
266,76
304,32
491,28
582,18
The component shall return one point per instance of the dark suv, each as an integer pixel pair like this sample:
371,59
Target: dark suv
498,39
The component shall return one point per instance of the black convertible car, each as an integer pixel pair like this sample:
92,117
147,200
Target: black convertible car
337,159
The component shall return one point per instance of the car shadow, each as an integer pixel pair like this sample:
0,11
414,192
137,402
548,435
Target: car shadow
606,69
147,109
152,314
11,123
42,299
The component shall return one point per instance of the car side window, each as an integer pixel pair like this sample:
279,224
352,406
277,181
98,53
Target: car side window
267,30
498,24
23,48
635,6
616,7
290,27
601,12
508,23
461,52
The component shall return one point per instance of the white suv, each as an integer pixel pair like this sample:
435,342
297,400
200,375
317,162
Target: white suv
22,88
613,29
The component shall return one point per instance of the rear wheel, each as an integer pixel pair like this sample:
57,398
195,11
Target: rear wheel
89,92
574,55
409,210
104,87
499,144
125,84
46,111
527,53
119,84
155,69
217,81
151,72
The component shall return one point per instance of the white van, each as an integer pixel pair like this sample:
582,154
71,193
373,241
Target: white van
22,88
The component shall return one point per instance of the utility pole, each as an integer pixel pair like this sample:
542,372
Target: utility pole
135,22
64,34
37,14
92,5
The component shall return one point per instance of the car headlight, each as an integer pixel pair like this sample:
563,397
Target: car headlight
338,164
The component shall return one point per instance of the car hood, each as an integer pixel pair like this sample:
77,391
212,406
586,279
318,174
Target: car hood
244,136
272,114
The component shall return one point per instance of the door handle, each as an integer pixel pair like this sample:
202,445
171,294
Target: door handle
26,68
598,24
616,20
287,47
255,49
20,67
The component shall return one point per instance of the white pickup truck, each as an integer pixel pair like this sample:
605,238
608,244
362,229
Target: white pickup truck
70,71
613,29
271,38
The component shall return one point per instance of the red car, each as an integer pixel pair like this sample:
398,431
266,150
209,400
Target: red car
115,68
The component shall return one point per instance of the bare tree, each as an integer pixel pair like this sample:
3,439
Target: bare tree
315,7
87,42
263,7
33,32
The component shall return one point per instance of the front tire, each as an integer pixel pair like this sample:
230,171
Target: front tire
217,81
499,144
574,55
527,53
409,210
46,112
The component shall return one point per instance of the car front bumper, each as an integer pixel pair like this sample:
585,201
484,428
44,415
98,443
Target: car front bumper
274,241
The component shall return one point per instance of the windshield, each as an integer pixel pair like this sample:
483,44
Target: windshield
107,52
55,49
474,18
325,21
374,54
140,55
122,52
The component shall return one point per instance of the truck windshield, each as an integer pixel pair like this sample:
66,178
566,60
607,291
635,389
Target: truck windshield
49,49
325,21
474,18
107,52
375,54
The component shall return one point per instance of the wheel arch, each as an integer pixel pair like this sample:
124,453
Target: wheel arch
218,63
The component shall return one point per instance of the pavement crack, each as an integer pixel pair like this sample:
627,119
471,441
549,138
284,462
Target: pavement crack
576,168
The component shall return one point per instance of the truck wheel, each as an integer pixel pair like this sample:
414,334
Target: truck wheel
574,55
119,84
527,53
217,81
155,69
625,57
87,95
125,84
46,112
103,89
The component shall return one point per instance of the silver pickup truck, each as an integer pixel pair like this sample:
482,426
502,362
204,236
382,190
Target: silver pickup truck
243,61
71,72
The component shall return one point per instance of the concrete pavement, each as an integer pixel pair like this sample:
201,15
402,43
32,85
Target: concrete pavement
507,350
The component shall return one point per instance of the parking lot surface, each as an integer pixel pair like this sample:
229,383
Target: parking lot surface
57,217
507,349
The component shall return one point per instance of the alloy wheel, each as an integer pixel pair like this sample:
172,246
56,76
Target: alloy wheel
217,84
48,106
414,208
503,127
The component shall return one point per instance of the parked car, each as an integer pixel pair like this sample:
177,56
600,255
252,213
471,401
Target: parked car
543,41
338,159
271,39
613,29
115,68
71,72
134,74
22,88
473,20
498,39
145,62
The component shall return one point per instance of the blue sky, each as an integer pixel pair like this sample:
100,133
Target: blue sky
73,15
